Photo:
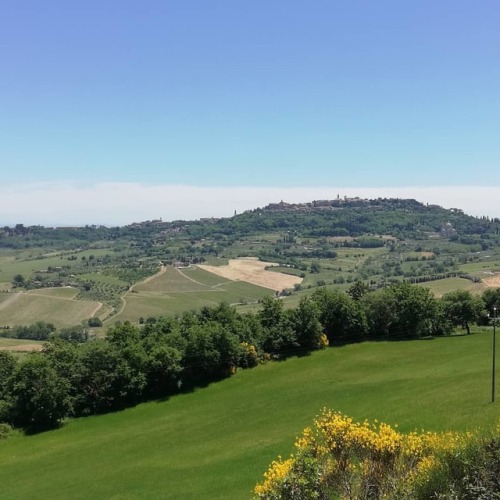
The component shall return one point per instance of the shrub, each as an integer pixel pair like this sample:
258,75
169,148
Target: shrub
248,356
5,430
94,322
340,458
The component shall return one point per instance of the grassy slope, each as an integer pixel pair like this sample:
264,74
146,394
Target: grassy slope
181,290
10,266
217,441
27,308
440,287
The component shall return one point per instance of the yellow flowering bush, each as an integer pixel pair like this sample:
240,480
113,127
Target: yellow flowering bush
323,341
248,355
274,478
338,457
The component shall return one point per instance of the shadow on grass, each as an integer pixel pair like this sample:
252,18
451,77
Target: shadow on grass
37,429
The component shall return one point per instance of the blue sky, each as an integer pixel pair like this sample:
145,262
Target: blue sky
347,95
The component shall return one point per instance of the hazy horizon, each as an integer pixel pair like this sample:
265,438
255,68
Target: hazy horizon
116,204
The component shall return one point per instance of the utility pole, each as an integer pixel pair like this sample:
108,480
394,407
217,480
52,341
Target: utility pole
494,353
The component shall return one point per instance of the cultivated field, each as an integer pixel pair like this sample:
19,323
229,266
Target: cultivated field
216,442
440,287
53,305
17,345
254,271
492,280
175,290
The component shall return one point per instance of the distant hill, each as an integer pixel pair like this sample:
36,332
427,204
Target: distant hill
353,217
402,218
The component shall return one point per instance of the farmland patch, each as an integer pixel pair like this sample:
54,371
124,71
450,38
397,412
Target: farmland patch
254,271
27,308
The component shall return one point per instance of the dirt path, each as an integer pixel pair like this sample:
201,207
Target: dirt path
14,296
189,277
162,270
97,307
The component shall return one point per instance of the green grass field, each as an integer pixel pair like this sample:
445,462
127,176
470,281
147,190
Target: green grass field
51,305
216,442
35,260
10,266
440,287
175,280
179,290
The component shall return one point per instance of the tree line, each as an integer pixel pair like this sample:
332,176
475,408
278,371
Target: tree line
73,376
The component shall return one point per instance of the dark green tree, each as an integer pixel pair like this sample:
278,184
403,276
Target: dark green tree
94,322
278,336
163,369
107,380
358,290
77,333
491,299
380,312
7,366
461,308
19,280
315,267
211,351
413,309
65,358
37,331
40,398
342,318
304,320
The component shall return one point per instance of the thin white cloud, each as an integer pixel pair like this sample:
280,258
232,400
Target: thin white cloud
119,203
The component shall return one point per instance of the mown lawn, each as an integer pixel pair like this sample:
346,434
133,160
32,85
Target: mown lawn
217,441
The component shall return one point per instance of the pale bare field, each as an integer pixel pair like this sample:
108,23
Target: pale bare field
426,254
67,293
19,345
492,281
253,271
23,348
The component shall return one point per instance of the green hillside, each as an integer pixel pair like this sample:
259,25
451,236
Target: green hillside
178,290
326,243
217,441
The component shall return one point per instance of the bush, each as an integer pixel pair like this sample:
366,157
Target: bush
340,458
5,430
94,322
474,473
248,356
